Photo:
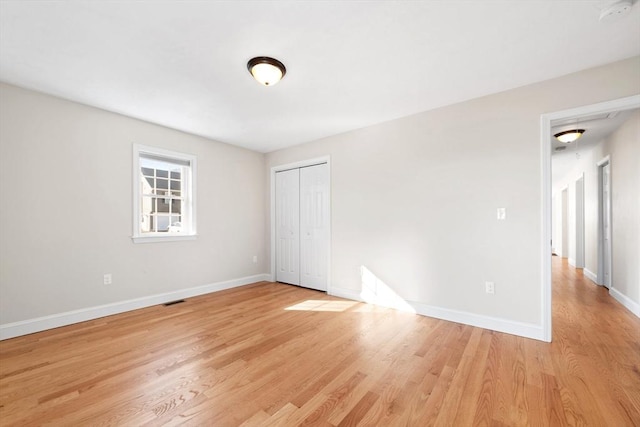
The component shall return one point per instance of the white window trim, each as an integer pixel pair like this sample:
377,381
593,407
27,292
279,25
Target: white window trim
137,236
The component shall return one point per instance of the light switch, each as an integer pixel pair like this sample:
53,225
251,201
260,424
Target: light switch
489,287
502,214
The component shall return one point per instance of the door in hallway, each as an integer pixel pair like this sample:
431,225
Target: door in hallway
606,224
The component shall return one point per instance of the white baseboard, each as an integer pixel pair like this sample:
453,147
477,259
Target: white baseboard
24,327
345,293
589,275
572,262
526,330
629,304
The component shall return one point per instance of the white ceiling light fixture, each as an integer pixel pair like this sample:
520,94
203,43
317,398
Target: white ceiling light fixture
267,71
569,136
615,10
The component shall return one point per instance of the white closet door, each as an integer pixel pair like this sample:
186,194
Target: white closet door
314,226
288,226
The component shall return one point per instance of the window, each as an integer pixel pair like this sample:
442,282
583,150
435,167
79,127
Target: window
163,195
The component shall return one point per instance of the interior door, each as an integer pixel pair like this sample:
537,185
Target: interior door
606,223
314,226
580,223
288,226
564,233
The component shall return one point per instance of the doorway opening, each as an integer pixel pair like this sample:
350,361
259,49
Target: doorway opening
549,122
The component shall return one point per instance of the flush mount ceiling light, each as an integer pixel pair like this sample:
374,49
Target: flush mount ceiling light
615,10
569,135
265,70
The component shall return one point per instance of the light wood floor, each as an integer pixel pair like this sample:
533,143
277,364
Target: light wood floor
271,354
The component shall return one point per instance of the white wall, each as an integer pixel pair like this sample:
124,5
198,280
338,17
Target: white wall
414,200
624,148
66,216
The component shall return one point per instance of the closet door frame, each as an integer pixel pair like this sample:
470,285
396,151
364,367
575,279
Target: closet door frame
296,165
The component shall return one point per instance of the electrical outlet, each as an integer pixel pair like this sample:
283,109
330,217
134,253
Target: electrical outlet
107,279
489,287
255,259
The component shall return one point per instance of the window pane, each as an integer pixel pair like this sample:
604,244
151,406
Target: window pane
147,171
162,173
176,225
176,206
163,222
162,183
175,174
146,185
175,185
162,205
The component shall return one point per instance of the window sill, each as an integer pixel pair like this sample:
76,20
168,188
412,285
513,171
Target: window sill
171,238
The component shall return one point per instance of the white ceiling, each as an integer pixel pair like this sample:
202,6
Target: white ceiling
350,64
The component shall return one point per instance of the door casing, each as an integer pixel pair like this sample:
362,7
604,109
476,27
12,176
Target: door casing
621,104
605,269
579,222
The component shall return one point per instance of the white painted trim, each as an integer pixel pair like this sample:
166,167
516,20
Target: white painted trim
272,196
627,302
546,238
628,103
527,330
590,275
606,160
169,238
301,164
24,327
579,201
345,293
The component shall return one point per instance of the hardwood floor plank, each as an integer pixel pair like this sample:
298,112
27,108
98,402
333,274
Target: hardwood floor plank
358,411
334,397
